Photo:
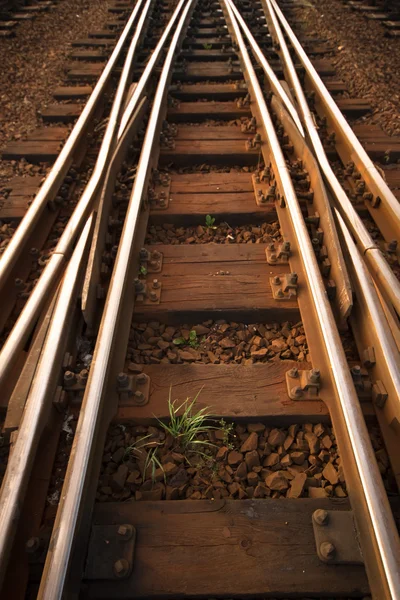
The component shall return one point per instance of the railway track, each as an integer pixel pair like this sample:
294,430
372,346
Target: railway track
208,405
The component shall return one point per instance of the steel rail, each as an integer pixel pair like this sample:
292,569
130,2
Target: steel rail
343,299
379,267
38,402
386,351
378,534
127,124
64,160
26,320
365,166
274,82
58,557
140,88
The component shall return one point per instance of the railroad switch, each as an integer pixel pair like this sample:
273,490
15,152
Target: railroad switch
336,537
133,388
303,384
284,287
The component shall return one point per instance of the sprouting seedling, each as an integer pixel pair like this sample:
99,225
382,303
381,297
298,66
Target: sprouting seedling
207,46
143,270
192,341
210,222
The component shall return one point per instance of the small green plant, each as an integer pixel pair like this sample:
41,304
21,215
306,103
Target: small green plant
207,46
227,428
210,222
192,341
151,456
186,427
143,270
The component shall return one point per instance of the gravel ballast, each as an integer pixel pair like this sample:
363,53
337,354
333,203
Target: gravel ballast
366,60
33,63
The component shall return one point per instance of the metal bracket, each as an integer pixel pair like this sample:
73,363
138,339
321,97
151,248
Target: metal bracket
284,287
147,294
264,192
278,253
362,382
133,390
303,384
159,193
111,550
151,261
336,537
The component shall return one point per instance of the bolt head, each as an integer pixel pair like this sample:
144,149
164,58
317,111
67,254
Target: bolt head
297,392
32,545
122,379
279,293
327,550
321,516
121,568
125,531
141,378
294,372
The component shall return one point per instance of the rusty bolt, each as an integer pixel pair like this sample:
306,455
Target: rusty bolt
69,378
32,545
356,371
293,278
271,246
279,293
156,284
141,378
297,392
34,252
294,372
321,516
156,254
392,246
154,264
125,531
327,550
315,375
84,374
138,285
277,280
121,568
153,296
122,379
272,257
139,397
19,283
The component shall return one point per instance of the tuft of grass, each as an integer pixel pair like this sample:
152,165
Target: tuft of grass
143,270
210,222
207,46
186,427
